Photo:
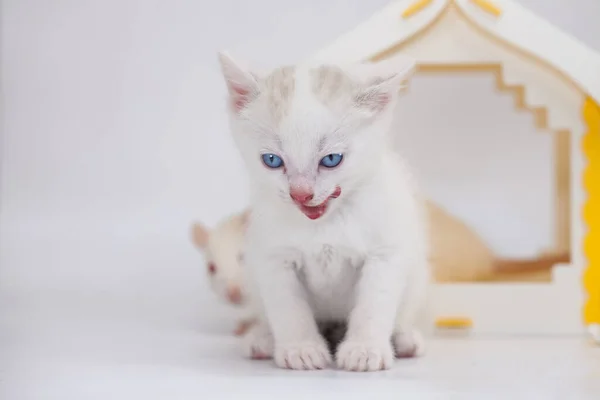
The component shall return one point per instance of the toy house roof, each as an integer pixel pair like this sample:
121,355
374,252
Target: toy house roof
506,20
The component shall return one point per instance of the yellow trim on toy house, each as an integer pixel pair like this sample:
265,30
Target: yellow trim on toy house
488,7
591,211
415,8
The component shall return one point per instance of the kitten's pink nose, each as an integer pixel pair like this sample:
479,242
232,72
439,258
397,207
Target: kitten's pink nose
301,195
234,294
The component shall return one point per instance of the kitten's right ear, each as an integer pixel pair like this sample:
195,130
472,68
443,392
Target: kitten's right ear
200,235
381,81
241,83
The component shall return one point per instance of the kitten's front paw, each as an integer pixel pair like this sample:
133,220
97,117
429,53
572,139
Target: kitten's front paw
258,343
408,344
310,354
365,355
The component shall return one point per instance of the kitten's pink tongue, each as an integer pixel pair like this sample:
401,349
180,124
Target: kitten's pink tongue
317,212
314,212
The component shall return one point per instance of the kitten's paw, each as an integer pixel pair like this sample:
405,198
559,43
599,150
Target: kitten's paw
365,355
257,344
308,355
408,344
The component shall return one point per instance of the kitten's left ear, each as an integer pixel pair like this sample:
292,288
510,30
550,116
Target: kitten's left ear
381,82
241,83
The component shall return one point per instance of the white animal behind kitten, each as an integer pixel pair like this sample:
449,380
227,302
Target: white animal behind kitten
222,248
336,230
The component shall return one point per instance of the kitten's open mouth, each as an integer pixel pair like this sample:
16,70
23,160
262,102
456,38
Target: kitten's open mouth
316,212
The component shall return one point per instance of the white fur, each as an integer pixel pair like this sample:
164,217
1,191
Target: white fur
365,260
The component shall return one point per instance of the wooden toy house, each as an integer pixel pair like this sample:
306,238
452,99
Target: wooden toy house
553,76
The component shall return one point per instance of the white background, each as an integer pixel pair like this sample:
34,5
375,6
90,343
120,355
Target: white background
114,131
114,139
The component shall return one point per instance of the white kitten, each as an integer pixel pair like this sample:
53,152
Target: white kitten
222,248
336,231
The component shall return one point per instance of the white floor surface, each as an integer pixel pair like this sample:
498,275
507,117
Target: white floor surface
69,355
149,328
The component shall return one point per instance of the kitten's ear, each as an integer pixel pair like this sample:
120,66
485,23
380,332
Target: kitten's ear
241,83
200,235
381,82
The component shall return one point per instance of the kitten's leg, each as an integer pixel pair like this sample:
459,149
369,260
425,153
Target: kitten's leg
407,338
298,343
408,343
367,345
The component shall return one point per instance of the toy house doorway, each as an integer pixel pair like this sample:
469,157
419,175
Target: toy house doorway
490,163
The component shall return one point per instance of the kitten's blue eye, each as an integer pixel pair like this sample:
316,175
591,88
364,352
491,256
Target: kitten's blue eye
331,160
272,161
